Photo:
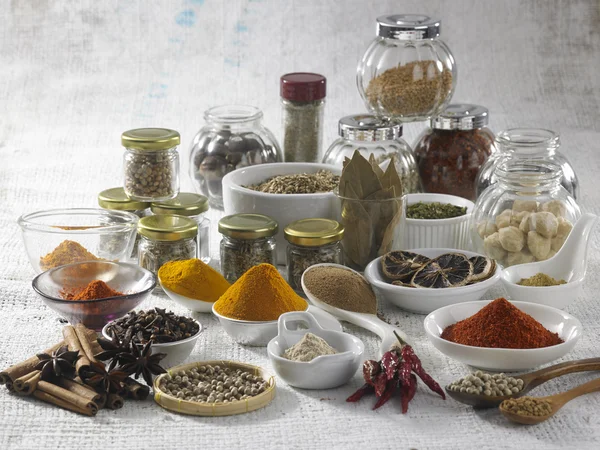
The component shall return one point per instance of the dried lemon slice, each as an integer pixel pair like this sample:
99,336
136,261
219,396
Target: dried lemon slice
483,268
400,265
447,270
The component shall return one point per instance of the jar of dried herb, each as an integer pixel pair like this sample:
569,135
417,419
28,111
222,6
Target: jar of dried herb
310,242
451,152
151,164
248,240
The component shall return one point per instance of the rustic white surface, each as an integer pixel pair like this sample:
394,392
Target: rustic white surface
75,74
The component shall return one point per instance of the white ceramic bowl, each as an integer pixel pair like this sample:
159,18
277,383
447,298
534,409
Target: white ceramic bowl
323,372
438,233
424,300
504,359
284,208
190,303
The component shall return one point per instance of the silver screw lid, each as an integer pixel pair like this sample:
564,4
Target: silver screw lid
408,27
366,127
461,116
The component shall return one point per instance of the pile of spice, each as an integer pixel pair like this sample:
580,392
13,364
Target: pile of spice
527,406
193,278
341,288
434,210
261,294
67,252
299,183
308,348
500,324
540,279
491,385
95,290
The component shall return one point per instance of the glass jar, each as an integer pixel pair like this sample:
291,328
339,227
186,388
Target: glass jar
381,138
524,144
526,215
407,73
310,242
303,103
233,137
151,164
115,199
451,152
248,240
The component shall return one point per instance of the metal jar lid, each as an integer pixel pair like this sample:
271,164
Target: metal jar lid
185,204
247,226
408,27
150,139
117,199
167,227
302,86
461,116
313,232
367,127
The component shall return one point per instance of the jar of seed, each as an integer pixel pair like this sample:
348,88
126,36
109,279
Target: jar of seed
310,242
151,164
248,240
193,206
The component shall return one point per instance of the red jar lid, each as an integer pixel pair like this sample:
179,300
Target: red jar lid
303,86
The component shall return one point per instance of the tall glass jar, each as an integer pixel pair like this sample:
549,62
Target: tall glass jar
407,73
451,152
310,242
526,215
525,144
303,103
193,206
370,135
233,137
151,164
248,240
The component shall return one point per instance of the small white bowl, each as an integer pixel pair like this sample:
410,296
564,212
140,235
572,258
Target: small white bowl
426,300
569,329
284,208
323,372
438,233
190,303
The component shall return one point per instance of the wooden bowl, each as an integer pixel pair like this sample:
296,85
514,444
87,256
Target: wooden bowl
216,409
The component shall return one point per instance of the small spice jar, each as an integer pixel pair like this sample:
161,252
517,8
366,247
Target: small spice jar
451,152
166,238
193,206
310,242
151,164
370,135
248,240
303,103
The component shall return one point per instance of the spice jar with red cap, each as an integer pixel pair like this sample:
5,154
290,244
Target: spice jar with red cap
303,102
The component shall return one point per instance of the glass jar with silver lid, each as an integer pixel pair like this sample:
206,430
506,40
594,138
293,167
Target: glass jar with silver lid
408,73
370,135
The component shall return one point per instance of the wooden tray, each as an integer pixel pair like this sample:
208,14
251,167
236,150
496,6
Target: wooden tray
216,409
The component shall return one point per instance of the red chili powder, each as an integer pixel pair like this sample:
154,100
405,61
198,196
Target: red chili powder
97,289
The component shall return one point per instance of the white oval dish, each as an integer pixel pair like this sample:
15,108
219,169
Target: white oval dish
503,359
190,303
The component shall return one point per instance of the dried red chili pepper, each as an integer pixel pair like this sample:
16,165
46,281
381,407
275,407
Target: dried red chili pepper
407,392
390,388
380,384
370,369
360,393
390,362
413,387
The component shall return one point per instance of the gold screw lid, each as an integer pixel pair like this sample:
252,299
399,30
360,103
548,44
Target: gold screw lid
167,227
117,199
247,226
185,204
150,139
313,232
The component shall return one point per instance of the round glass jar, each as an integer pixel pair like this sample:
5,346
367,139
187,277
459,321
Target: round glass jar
370,135
407,73
248,240
233,137
451,152
310,242
193,206
525,144
151,164
525,216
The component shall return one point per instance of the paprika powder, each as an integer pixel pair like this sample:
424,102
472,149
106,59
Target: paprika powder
95,290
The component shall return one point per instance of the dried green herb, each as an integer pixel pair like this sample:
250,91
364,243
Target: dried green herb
299,183
434,210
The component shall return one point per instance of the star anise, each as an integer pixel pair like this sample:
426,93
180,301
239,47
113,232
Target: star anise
101,380
140,360
60,363
114,348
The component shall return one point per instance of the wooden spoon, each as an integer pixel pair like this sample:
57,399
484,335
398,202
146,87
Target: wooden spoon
556,401
530,380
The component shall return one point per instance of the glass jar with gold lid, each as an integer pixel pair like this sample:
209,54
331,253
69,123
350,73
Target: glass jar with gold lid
248,240
310,242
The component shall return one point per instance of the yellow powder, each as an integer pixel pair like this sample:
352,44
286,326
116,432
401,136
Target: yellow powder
194,279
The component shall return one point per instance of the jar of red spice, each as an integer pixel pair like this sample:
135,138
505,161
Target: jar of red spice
450,153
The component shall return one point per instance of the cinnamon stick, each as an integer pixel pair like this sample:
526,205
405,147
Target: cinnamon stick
135,390
49,398
114,401
82,391
85,340
26,384
74,345
23,368
67,396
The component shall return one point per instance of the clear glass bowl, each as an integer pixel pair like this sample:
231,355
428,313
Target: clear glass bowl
105,234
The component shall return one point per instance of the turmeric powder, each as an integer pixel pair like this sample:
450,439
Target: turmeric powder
260,295
67,252
194,279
